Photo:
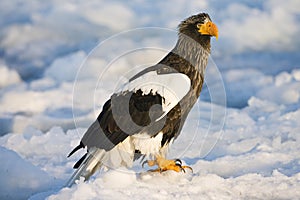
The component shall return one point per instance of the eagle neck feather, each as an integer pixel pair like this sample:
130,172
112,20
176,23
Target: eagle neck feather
195,52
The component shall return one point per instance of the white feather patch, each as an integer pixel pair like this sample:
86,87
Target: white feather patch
146,144
123,153
172,87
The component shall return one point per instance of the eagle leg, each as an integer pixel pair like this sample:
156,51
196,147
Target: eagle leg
164,165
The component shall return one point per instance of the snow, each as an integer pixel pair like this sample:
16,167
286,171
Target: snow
60,61
27,177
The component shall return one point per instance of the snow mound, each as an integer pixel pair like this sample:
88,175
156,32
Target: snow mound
19,178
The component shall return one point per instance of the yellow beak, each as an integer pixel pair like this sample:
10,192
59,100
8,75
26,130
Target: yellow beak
209,28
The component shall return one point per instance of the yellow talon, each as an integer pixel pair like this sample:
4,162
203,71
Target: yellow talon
164,165
182,167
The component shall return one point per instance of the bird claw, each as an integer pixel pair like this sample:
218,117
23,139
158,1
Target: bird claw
178,163
164,165
188,167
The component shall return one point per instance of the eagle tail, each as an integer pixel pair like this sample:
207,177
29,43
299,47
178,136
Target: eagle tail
89,165
81,145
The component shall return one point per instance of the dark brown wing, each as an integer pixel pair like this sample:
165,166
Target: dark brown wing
123,115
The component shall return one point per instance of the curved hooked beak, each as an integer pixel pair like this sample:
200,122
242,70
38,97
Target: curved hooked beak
209,28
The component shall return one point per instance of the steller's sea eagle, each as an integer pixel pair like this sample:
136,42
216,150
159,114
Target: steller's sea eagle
149,112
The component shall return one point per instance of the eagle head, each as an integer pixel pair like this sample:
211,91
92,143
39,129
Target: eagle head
199,27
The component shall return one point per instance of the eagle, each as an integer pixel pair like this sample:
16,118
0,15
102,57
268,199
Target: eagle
147,114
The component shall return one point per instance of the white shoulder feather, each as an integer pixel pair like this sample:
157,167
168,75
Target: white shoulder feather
172,87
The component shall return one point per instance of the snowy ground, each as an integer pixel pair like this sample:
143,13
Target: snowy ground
242,139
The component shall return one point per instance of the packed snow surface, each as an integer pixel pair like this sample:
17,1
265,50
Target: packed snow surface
60,62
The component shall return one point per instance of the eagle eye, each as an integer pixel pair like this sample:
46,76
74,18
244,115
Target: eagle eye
199,25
